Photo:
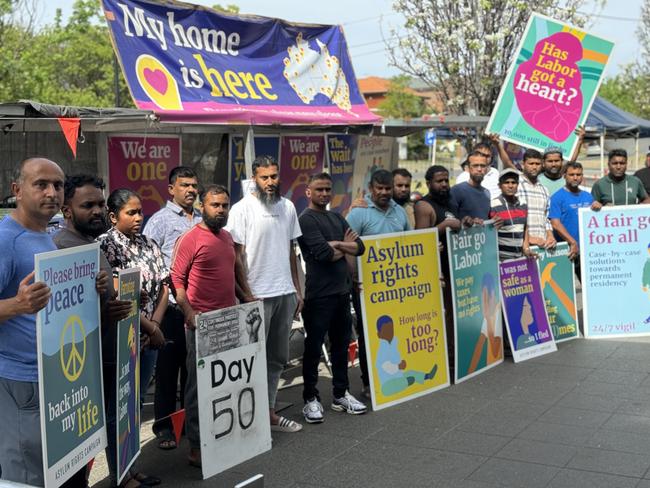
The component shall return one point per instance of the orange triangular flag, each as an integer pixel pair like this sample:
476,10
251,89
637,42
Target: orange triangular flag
178,419
70,128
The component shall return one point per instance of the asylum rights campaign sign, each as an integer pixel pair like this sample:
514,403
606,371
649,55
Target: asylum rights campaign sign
73,428
403,320
615,262
194,64
550,86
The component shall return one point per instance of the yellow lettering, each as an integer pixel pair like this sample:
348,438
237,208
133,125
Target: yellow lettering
233,82
263,84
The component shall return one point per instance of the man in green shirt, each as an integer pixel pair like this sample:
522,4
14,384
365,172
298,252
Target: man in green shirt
618,188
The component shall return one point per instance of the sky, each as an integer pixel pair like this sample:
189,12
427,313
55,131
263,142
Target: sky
367,22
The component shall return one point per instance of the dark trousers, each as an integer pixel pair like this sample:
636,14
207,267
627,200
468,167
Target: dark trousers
326,315
169,365
361,339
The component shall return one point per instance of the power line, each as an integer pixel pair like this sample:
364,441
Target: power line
394,38
359,21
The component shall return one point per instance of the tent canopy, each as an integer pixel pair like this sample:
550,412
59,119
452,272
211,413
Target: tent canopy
605,117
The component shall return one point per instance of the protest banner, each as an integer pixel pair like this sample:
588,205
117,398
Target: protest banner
264,146
551,85
342,152
403,319
128,375
73,426
234,417
558,286
529,332
473,275
142,164
195,64
615,262
373,153
300,157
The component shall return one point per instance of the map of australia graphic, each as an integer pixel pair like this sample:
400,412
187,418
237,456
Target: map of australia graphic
310,72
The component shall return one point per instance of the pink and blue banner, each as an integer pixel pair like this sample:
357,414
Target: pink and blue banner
523,308
300,157
264,146
193,64
342,152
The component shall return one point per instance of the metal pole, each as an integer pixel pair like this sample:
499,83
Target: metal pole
602,153
433,151
636,152
116,81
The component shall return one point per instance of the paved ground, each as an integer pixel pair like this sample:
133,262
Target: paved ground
579,417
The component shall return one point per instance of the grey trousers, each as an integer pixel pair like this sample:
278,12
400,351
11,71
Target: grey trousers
191,393
21,457
278,317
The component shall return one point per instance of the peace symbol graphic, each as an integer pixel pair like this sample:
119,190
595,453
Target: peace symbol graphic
73,364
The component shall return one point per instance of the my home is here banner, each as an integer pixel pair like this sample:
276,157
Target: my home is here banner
194,64
550,86
403,319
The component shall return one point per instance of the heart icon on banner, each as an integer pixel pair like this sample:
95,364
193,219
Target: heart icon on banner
158,83
157,79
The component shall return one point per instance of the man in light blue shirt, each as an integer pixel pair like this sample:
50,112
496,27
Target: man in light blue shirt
165,227
381,216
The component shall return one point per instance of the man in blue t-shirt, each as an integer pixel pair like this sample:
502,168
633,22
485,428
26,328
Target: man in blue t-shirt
38,187
564,210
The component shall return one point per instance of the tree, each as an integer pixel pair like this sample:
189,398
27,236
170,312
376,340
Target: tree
71,64
400,103
630,89
464,48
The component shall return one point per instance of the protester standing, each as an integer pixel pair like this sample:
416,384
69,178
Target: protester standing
165,227
264,225
326,240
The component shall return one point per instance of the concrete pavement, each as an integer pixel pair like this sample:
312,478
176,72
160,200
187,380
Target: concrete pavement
579,417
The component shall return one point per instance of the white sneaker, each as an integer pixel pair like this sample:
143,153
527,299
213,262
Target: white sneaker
349,404
313,411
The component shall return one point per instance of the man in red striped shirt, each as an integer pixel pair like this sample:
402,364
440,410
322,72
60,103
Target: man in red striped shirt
205,274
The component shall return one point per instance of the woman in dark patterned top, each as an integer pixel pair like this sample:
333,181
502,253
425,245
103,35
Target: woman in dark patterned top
125,247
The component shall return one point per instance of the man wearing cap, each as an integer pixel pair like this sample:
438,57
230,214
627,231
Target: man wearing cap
644,174
551,176
512,235
618,188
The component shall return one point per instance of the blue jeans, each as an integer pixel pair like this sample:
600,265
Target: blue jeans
147,365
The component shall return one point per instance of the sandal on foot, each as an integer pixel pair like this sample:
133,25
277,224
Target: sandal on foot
166,441
286,425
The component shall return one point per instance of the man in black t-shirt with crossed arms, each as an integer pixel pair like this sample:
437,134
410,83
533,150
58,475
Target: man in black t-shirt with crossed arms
326,239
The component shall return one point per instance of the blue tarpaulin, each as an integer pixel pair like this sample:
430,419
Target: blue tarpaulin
613,121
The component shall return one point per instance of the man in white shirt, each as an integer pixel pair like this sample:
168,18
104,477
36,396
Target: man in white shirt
263,226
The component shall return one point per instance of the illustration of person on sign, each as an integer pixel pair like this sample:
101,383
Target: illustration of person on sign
391,368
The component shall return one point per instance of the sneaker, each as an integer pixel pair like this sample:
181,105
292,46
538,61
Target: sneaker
313,411
349,404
